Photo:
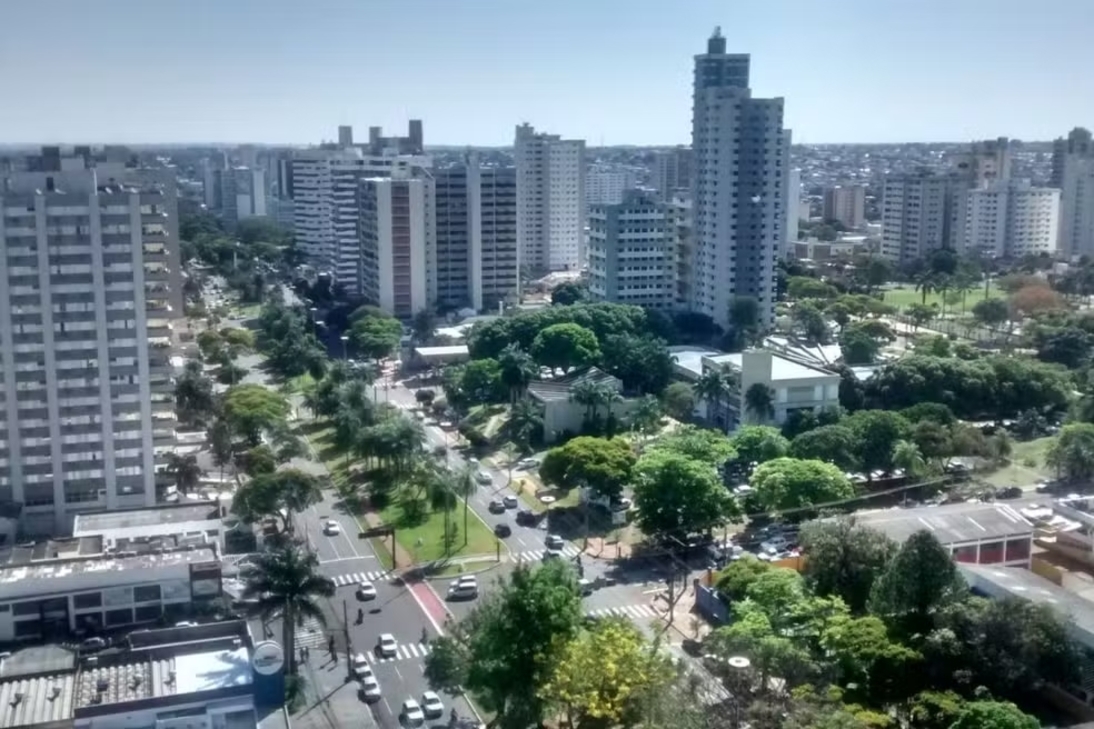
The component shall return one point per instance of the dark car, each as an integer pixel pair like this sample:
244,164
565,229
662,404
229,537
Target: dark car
1011,492
497,507
526,516
502,530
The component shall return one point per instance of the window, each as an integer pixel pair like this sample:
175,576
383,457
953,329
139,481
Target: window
119,617
146,593
87,600
26,608
148,613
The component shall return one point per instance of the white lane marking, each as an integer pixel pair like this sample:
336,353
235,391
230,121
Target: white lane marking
623,611
354,578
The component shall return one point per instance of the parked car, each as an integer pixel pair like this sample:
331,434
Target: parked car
510,502
432,706
92,645
528,464
465,588
370,687
366,591
496,506
360,665
554,541
412,713
502,530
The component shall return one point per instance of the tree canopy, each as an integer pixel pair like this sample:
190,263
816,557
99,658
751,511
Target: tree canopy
563,346
251,409
604,465
790,483
279,495
845,559
677,495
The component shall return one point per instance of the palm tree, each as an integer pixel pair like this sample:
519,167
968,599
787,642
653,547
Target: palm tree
221,443
194,396
312,401
525,419
646,418
517,369
285,582
760,402
586,393
925,284
907,457
715,386
464,486
186,471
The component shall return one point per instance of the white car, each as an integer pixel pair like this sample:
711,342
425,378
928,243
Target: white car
332,528
528,464
483,477
412,713
370,687
366,591
386,646
431,705
360,666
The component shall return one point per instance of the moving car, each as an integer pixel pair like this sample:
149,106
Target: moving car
366,591
554,541
483,477
465,588
496,506
412,713
91,645
431,705
510,502
370,687
360,666
332,528
386,647
526,517
585,586
502,530
528,464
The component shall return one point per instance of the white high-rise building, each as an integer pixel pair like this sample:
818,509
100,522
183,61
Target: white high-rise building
672,171
741,164
325,205
1011,218
792,206
1077,205
846,204
85,340
605,185
477,261
398,246
1078,141
921,212
550,200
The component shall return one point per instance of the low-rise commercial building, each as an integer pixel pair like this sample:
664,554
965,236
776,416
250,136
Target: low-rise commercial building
562,413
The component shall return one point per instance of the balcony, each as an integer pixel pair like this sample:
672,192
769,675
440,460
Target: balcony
155,272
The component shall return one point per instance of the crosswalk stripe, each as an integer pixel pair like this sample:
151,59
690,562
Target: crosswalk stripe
535,555
356,578
623,611
403,651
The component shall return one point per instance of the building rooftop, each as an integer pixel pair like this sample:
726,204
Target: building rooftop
87,524
689,359
447,351
782,369
950,523
35,700
553,390
99,562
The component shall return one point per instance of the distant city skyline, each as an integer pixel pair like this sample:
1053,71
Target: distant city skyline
284,72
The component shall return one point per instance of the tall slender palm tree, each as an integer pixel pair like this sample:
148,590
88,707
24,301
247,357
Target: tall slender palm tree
715,386
906,456
587,394
525,420
760,402
464,486
517,369
186,471
285,582
221,443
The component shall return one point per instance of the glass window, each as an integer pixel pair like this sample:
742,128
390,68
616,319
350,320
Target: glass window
28,629
146,593
88,600
119,617
26,608
148,613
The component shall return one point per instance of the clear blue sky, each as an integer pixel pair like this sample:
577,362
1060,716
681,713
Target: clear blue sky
609,71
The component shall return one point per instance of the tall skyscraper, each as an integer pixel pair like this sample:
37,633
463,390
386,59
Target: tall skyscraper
984,162
1080,142
672,171
741,164
1077,205
397,242
791,206
477,260
326,205
634,247
846,204
345,136
85,341
550,200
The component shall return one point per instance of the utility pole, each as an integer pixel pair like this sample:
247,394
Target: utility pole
349,643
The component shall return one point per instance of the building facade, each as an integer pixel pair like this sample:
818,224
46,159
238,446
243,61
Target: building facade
672,171
1079,141
791,206
550,200
633,251
477,258
325,210
605,185
85,343
398,247
919,214
985,162
741,163
1077,205
847,204
1011,219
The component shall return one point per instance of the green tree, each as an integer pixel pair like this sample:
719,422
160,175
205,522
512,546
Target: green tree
994,715
991,312
744,320
603,465
807,287
423,326
877,432
809,320
760,402
525,423
643,363
647,417
759,443
194,397
835,444
907,457
921,314
679,400
845,560
284,582
934,709
512,642
1071,453
874,667
277,495
563,346
251,409
602,672
772,655
789,483
716,388
258,461
376,337
569,293
700,444
517,370
677,496
185,471
220,444
478,382
920,579
733,582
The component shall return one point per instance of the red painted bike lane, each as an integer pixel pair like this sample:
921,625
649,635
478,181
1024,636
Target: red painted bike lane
430,603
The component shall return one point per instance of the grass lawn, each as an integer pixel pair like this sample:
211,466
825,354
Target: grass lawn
300,383
1027,465
905,295
250,311
422,535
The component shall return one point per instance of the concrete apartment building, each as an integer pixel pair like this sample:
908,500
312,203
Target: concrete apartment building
1077,206
1079,141
477,260
237,193
324,189
398,246
986,161
550,200
85,341
1011,218
919,212
741,164
634,247
791,206
672,171
847,204
605,185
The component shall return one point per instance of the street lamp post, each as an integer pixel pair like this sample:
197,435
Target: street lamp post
345,346
349,643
